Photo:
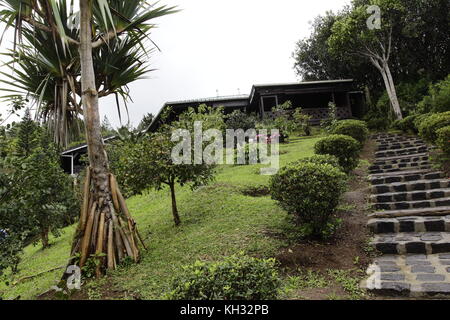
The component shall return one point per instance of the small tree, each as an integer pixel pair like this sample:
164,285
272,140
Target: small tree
27,135
302,121
148,163
146,122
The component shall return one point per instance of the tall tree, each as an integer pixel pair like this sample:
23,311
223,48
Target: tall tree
352,34
106,227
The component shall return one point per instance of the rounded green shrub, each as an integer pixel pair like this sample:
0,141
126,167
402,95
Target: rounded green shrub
323,159
310,191
443,139
431,124
343,147
356,129
407,124
377,123
238,277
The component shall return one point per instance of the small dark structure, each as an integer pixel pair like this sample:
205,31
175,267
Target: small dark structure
313,97
71,159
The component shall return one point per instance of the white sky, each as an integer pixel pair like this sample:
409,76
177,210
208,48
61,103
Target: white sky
224,45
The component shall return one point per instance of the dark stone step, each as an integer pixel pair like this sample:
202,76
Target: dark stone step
404,205
407,178
411,195
403,165
416,185
410,224
424,212
400,152
415,158
394,170
412,243
400,145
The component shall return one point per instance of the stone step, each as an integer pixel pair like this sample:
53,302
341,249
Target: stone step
423,212
409,159
412,242
415,185
399,145
410,224
379,180
407,168
403,165
401,157
394,140
411,195
410,275
400,152
404,205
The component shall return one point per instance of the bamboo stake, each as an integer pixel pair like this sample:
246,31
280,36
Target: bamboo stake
114,187
100,242
86,198
130,222
140,238
110,255
87,236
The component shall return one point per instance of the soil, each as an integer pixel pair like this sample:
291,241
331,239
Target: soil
347,250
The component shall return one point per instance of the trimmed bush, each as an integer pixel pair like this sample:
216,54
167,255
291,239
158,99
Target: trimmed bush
377,123
354,128
310,191
237,277
407,124
431,124
343,147
323,159
443,139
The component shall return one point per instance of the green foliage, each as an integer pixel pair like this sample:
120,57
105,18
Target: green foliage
331,121
302,121
147,162
11,250
37,196
407,124
439,98
311,192
27,135
238,277
443,139
343,147
240,120
323,159
429,126
145,122
376,123
354,128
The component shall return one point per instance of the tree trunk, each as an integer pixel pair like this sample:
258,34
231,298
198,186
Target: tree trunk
394,100
176,216
44,238
105,227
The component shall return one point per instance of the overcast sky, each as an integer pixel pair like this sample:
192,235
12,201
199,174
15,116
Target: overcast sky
222,46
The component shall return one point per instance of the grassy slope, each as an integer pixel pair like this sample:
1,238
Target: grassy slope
217,220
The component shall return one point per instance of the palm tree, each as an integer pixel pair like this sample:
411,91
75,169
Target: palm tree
82,56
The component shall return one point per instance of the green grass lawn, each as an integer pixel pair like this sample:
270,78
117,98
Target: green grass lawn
217,220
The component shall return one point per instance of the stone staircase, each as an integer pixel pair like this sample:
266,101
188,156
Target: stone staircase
411,221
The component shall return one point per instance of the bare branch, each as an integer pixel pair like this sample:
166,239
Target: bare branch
104,39
45,28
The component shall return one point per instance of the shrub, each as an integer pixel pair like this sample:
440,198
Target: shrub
443,139
407,124
323,159
237,277
310,191
431,124
377,123
439,98
343,147
240,120
354,128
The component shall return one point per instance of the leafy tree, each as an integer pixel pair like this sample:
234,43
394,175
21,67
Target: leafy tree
240,120
351,34
27,135
149,164
145,122
107,128
109,37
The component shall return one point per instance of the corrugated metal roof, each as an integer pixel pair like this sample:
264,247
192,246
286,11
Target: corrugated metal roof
212,99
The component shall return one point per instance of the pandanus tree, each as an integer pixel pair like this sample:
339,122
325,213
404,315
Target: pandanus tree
358,33
87,60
